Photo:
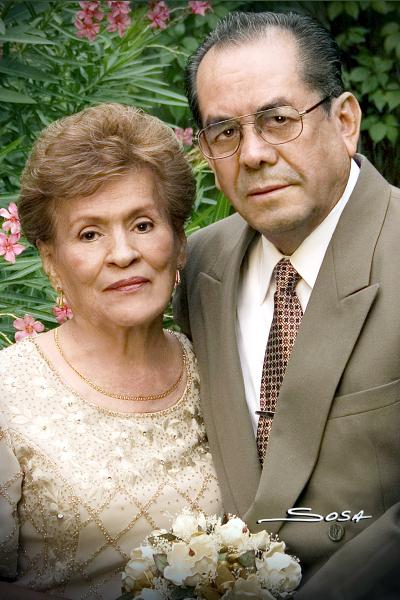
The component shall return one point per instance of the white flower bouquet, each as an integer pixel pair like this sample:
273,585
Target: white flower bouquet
208,558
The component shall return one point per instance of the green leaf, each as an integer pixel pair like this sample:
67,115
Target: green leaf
351,9
380,6
247,560
392,134
223,208
2,27
393,98
190,43
377,132
369,84
160,560
389,28
7,95
379,99
334,10
9,148
18,69
359,74
392,42
15,35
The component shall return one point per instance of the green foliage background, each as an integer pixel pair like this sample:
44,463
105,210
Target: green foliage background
47,72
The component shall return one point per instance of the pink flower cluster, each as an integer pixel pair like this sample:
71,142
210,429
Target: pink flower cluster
88,19
119,19
184,135
27,326
199,8
9,246
158,14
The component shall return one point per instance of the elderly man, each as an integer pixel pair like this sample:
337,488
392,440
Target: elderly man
293,304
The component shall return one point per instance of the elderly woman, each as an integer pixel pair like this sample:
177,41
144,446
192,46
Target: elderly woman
101,436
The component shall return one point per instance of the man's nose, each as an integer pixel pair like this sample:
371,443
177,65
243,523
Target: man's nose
123,249
254,151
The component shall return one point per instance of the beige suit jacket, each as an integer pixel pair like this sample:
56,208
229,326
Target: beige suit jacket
335,441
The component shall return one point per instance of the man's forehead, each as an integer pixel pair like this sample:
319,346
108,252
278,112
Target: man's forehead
239,79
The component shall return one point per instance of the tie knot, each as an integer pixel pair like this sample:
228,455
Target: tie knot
286,276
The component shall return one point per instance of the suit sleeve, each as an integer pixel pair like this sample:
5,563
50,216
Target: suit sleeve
366,568
181,307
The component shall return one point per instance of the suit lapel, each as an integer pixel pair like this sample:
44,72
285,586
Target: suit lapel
224,398
338,307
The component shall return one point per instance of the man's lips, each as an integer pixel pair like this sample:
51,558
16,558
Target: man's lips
260,191
127,284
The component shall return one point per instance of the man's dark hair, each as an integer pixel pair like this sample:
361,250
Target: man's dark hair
319,55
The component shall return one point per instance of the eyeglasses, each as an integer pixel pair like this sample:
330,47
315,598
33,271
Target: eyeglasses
274,125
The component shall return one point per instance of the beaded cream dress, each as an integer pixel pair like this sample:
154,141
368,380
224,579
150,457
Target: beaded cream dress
81,486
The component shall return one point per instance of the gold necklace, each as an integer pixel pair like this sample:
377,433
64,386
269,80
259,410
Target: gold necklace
122,396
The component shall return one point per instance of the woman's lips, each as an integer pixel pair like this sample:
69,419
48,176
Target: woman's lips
127,285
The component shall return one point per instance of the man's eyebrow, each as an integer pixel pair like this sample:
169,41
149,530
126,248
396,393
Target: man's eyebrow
274,103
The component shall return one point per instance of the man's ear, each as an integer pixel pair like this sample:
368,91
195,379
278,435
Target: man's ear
46,255
347,111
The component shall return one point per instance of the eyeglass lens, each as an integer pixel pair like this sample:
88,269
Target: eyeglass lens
275,126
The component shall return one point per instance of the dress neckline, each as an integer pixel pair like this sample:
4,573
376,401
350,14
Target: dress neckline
152,414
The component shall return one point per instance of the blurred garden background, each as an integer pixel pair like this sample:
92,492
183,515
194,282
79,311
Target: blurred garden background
58,57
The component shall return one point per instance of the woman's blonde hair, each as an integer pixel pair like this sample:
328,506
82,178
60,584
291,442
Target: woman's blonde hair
76,155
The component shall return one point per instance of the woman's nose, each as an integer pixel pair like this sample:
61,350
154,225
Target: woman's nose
123,249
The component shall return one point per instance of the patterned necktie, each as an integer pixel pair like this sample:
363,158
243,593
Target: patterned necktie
285,324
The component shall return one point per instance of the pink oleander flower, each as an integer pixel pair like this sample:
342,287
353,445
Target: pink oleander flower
85,20
119,7
62,314
90,10
27,326
184,135
158,15
9,248
12,223
118,21
87,30
199,8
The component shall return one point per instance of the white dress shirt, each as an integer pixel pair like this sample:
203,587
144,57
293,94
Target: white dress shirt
255,303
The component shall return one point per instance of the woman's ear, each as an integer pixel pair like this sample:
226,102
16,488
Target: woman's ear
348,115
46,255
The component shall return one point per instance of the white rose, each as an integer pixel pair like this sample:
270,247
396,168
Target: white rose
279,572
180,563
192,563
186,524
205,559
234,533
256,541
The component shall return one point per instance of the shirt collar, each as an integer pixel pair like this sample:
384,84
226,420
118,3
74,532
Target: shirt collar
308,257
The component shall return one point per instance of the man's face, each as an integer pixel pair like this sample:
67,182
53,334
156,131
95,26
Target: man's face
283,191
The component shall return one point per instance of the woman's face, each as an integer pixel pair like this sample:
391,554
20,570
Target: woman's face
115,253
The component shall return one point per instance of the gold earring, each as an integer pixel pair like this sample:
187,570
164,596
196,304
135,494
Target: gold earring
177,278
60,300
